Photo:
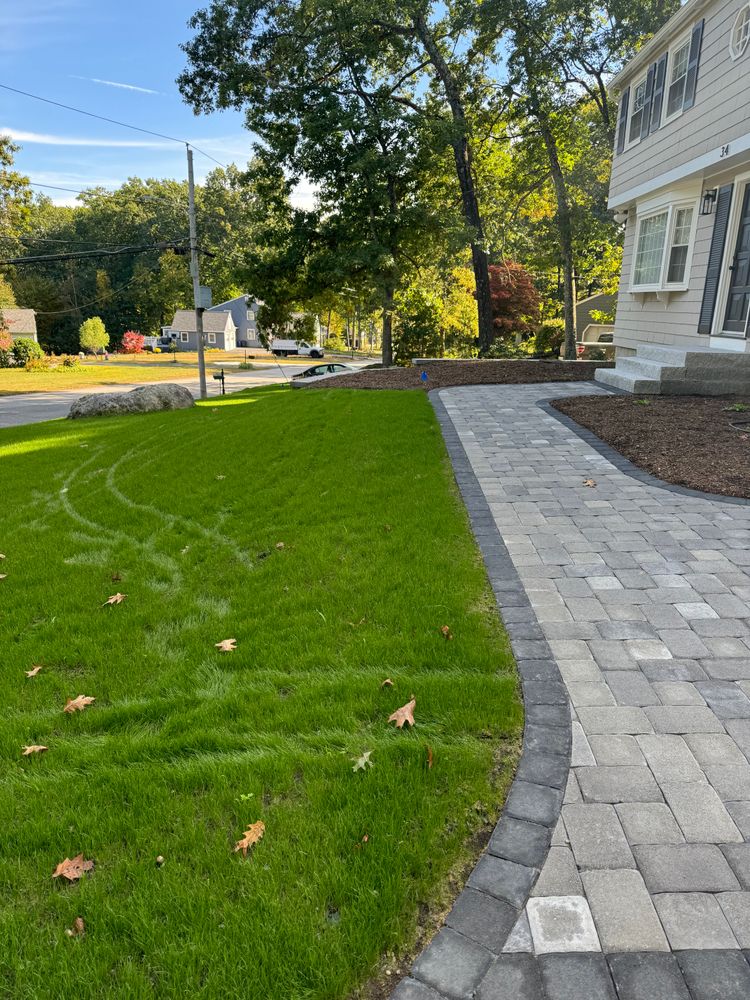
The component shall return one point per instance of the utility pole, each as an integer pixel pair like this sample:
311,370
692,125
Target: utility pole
195,273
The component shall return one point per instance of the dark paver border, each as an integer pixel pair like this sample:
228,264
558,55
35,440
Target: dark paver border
476,929
625,465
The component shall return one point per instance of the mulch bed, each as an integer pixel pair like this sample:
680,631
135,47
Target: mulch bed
692,441
443,374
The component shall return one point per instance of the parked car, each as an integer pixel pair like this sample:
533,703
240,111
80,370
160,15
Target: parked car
283,348
318,370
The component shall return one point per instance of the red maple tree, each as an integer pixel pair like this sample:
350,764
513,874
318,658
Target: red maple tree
515,300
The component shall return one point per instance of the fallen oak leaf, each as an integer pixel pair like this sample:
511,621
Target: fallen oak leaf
447,634
430,758
33,748
72,868
33,672
589,482
226,645
251,836
79,928
387,683
363,762
114,599
78,704
404,714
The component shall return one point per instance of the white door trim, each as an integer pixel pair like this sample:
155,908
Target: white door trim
738,197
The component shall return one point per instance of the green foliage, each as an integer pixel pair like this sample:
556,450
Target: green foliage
335,344
25,349
508,348
418,330
92,335
550,337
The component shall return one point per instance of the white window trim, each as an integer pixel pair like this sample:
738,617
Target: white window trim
211,338
184,338
730,244
629,144
734,55
663,285
682,40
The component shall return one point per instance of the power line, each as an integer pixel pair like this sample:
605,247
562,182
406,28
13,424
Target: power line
93,302
112,121
85,254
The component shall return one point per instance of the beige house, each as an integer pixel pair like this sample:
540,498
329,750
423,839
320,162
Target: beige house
681,185
19,322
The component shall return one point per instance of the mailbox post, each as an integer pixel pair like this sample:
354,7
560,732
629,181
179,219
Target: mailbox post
219,376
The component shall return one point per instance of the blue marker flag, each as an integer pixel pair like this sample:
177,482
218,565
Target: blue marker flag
423,376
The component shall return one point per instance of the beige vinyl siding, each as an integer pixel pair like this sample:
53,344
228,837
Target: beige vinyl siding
721,112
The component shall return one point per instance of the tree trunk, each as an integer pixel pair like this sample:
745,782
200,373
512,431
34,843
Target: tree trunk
564,223
388,326
469,200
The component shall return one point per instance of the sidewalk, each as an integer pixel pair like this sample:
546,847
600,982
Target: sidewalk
628,876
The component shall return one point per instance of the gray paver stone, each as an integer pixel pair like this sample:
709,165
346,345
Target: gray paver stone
596,837
629,721
519,938
694,920
740,813
534,803
410,989
503,879
715,975
559,875
647,976
483,918
576,977
581,753
714,748
677,693
688,719
649,823
543,769
616,750
738,856
736,907
624,915
521,842
618,784
630,687
726,699
561,924
702,816
684,868
512,977
670,759
452,965
731,781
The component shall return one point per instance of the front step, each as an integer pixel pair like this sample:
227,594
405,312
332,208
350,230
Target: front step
648,368
673,356
618,379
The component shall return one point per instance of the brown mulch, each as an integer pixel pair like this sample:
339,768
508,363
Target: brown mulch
693,441
443,374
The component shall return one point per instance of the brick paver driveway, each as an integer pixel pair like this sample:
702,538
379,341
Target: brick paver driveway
640,594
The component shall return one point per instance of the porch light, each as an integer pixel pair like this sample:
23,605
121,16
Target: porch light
709,200
621,216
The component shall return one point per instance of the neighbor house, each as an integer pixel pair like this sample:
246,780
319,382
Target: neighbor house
19,322
219,330
244,312
681,185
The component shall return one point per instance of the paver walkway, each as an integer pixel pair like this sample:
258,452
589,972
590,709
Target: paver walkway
642,594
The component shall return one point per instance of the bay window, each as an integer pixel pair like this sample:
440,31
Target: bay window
663,245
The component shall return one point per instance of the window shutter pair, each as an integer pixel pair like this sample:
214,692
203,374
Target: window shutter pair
715,257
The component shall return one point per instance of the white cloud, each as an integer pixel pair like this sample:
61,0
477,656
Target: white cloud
44,139
34,25
304,195
112,83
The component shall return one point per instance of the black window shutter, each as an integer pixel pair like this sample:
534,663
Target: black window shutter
646,120
660,76
623,120
692,74
715,257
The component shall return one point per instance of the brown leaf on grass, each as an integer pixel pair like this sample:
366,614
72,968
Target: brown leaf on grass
226,645
78,929
33,672
363,762
387,683
116,578
447,634
115,599
72,868
387,527
78,704
28,751
404,714
430,758
589,482
280,545
251,836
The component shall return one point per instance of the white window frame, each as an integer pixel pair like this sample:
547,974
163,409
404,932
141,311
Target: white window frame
211,337
685,39
629,143
250,316
184,338
736,52
671,208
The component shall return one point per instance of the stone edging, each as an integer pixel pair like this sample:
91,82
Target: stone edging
627,467
497,890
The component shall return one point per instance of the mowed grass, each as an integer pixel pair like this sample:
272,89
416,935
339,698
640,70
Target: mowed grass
184,746
14,381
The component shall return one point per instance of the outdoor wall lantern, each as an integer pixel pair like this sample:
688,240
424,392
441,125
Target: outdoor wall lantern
709,201
621,216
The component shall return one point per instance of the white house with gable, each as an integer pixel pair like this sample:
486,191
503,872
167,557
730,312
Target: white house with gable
681,184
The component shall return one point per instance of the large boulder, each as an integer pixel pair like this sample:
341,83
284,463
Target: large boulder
144,399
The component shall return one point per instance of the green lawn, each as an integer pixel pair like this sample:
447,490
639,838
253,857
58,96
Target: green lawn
18,380
185,746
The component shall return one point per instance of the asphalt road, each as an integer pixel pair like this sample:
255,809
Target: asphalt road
32,408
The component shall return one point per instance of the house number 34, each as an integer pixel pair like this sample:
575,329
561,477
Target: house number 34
724,151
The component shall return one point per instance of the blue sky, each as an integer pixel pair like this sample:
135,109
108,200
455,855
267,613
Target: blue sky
116,59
